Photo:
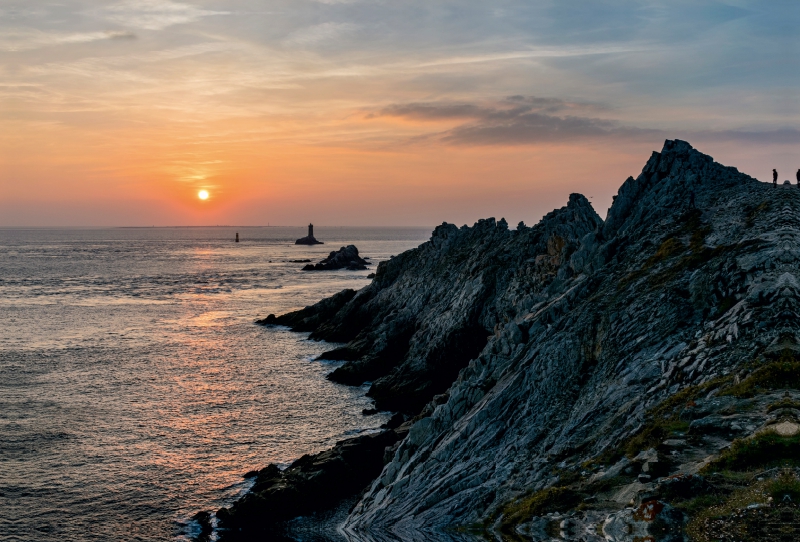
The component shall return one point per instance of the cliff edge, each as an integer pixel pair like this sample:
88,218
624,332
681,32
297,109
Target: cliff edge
582,363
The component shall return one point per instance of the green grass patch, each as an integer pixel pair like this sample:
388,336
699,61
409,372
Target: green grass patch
765,450
785,484
785,403
724,507
669,248
696,505
778,375
663,421
553,499
654,433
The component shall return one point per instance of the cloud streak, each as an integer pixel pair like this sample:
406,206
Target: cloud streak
154,14
515,120
318,33
19,41
530,120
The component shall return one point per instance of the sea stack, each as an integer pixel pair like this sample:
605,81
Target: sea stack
309,239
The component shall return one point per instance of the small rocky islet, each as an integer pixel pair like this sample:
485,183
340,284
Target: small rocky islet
628,379
344,258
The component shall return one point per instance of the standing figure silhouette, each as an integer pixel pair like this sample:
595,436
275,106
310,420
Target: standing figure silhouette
775,178
798,178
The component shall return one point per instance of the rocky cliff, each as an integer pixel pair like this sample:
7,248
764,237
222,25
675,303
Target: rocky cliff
430,310
562,375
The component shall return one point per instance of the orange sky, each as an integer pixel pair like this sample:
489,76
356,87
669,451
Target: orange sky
359,113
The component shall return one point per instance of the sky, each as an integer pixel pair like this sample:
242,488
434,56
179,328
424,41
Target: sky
377,112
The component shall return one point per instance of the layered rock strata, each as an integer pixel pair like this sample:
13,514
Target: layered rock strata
535,359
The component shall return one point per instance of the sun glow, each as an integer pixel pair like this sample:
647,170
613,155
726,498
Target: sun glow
203,194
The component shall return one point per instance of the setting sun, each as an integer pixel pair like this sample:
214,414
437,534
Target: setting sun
203,194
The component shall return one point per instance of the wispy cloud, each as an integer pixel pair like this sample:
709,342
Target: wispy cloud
508,108
154,14
526,120
781,136
318,33
528,128
515,120
26,40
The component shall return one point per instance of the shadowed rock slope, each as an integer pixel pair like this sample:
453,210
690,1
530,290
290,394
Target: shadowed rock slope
662,297
430,310
589,362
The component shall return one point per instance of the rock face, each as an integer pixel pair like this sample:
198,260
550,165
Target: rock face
344,258
312,483
585,358
430,310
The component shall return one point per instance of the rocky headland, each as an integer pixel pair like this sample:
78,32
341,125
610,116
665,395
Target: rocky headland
636,378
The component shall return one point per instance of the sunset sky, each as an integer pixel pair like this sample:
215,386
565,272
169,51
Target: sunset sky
376,112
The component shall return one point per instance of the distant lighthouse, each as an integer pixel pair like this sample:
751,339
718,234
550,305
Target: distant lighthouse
309,240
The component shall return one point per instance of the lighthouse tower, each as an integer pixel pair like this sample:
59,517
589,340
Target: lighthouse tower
309,240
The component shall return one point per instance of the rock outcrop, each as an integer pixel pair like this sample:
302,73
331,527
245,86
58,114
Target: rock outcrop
592,365
311,484
344,258
430,310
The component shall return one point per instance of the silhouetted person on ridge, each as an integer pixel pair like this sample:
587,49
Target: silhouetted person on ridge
798,178
775,178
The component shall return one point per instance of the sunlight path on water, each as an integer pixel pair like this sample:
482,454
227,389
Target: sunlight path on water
135,389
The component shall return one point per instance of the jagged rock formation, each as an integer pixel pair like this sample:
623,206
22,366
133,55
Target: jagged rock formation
567,355
410,334
344,258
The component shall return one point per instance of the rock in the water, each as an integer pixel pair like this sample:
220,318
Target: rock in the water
344,258
204,519
308,241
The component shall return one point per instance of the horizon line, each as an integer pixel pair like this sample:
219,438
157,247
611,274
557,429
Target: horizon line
186,227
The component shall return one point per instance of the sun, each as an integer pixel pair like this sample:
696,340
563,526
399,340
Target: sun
203,194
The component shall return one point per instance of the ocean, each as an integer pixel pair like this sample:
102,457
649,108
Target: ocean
135,389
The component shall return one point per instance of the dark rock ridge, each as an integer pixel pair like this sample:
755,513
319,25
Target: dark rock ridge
311,484
580,362
430,310
310,318
344,258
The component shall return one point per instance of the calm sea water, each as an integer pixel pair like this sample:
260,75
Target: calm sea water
135,389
